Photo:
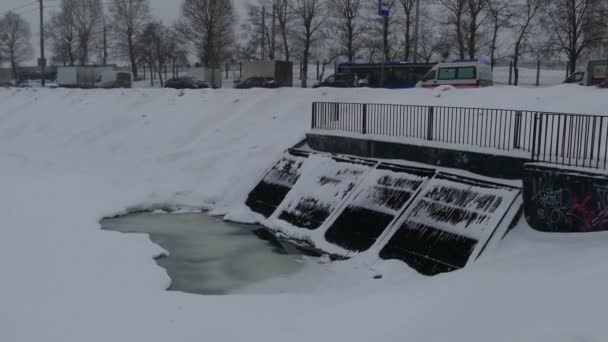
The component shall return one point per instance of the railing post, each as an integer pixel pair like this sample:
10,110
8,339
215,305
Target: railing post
364,123
314,115
431,119
336,111
517,128
536,137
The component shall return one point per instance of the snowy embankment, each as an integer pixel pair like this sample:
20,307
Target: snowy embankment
69,158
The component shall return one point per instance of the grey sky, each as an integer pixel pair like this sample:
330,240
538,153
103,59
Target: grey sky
166,10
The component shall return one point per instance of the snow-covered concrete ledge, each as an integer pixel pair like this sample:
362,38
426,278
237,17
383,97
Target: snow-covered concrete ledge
487,162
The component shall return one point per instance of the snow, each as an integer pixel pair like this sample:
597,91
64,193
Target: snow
69,158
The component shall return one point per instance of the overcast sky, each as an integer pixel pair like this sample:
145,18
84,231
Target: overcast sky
166,10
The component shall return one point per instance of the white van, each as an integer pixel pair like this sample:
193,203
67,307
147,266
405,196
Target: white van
460,74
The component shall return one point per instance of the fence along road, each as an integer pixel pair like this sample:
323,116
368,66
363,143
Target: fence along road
567,139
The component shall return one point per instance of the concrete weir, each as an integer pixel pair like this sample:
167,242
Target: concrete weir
344,206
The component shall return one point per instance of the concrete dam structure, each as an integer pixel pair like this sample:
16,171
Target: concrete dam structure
434,221
371,179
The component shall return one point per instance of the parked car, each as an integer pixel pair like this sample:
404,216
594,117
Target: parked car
185,82
6,84
594,74
338,80
257,82
280,72
603,84
459,74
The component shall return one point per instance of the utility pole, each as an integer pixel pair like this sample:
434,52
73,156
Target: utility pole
263,33
42,59
417,31
105,44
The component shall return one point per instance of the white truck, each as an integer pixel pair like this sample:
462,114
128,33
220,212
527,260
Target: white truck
107,76
594,74
281,72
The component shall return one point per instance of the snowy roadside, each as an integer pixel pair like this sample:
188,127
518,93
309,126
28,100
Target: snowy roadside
69,158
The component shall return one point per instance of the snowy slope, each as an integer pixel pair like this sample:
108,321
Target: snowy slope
69,158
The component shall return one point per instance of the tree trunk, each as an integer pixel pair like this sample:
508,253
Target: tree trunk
160,74
472,37
305,62
406,54
285,44
385,40
349,44
515,66
573,60
13,63
132,58
493,48
460,37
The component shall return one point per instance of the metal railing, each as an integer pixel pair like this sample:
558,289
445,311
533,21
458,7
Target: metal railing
582,139
571,139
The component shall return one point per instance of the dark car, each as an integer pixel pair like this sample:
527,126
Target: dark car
339,80
257,82
185,83
603,84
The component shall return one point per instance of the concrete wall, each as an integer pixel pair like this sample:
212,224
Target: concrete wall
484,164
560,200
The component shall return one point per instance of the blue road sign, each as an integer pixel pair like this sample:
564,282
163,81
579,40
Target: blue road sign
384,8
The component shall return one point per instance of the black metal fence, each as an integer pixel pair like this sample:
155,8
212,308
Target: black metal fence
569,139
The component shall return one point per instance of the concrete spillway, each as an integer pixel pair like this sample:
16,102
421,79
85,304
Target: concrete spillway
434,221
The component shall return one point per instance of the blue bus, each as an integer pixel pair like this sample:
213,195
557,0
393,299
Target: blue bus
397,75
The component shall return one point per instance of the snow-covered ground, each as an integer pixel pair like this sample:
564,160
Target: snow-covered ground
70,157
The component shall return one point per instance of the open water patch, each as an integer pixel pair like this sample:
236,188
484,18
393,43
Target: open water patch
208,255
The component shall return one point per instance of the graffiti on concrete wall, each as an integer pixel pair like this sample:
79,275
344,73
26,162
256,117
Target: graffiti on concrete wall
566,203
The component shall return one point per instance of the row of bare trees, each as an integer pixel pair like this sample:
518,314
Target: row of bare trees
82,31
205,29
492,29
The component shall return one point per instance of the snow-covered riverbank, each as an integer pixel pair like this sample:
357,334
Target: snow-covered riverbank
70,157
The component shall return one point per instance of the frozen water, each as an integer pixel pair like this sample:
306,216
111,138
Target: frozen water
208,255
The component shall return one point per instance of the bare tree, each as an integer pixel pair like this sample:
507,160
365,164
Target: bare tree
456,10
284,18
311,15
408,9
62,33
475,10
87,18
431,39
524,21
129,18
500,13
208,25
259,28
15,38
158,40
346,13
176,50
577,25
